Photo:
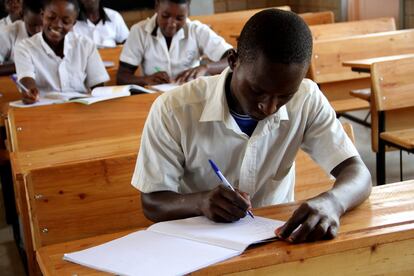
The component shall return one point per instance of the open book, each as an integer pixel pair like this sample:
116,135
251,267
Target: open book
98,94
176,247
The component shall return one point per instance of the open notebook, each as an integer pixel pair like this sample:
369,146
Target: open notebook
176,247
98,94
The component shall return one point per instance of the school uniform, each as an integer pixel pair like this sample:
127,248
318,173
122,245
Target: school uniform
5,21
79,69
147,47
113,32
192,124
9,37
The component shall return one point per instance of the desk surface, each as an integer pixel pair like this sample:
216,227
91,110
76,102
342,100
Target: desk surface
377,237
366,63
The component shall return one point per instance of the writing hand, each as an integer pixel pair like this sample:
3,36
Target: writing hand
224,205
157,78
30,96
315,219
191,74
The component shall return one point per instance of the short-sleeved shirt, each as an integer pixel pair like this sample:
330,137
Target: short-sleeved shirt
108,34
80,68
5,21
9,37
147,47
192,124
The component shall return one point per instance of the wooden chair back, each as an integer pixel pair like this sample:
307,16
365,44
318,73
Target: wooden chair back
317,18
81,200
229,24
336,80
352,28
41,127
311,180
392,92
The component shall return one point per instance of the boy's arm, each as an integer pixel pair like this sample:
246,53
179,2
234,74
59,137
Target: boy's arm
318,217
126,75
220,204
7,69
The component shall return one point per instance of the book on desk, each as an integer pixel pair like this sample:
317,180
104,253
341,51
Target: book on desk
98,94
176,247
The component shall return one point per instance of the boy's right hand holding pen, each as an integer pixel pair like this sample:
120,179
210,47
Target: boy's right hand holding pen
27,86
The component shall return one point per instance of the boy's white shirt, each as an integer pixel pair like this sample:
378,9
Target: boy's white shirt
148,49
5,21
113,32
80,69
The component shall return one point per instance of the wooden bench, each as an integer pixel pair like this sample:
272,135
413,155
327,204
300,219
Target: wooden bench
85,199
352,28
111,55
393,103
69,133
335,80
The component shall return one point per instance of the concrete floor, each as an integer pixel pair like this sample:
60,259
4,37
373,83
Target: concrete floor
10,263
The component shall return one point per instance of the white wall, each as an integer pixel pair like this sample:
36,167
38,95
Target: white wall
199,7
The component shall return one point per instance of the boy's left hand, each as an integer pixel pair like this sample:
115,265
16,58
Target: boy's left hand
315,219
191,74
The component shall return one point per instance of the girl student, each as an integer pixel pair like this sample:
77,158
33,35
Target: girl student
12,34
104,26
168,47
57,59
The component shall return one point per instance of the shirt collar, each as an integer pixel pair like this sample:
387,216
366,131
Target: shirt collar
67,45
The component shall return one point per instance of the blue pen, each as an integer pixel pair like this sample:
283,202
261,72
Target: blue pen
224,180
20,85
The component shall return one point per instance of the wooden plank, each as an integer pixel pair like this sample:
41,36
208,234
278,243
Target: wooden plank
366,63
123,117
328,55
346,105
63,208
351,28
372,239
403,137
317,18
8,93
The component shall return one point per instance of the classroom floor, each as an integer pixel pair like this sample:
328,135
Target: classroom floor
11,265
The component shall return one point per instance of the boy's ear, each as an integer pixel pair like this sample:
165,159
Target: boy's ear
232,58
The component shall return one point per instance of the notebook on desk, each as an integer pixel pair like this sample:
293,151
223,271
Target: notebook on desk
98,94
176,247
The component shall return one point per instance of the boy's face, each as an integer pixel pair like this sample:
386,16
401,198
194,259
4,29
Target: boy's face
262,87
13,7
33,22
171,17
58,19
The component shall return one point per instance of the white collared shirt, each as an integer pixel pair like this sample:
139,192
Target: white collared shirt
9,37
192,124
80,68
5,21
147,47
113,32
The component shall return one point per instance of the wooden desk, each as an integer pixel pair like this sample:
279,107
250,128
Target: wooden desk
375,238
364,65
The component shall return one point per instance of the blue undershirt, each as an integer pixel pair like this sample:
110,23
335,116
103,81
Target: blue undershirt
245,122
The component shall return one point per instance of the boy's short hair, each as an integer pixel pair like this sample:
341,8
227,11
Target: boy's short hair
281,36
34,6
73,2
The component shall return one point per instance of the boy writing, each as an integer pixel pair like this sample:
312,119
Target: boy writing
251,120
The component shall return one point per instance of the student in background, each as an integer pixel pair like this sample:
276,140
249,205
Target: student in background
168,47
14,11
251,120
104,26
16,32
57,59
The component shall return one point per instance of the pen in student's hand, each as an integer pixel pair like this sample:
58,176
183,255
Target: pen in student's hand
157,69
224,180
19,84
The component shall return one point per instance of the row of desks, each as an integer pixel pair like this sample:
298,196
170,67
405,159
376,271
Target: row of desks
375,238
